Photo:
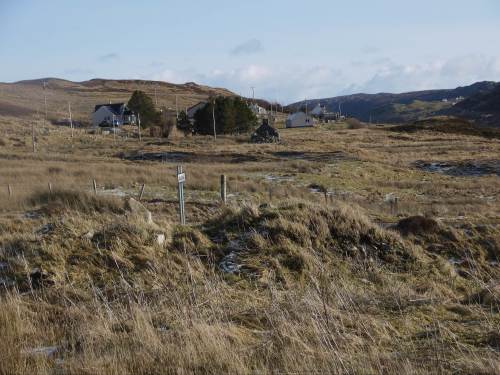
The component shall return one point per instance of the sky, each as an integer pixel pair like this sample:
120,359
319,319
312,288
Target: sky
287,50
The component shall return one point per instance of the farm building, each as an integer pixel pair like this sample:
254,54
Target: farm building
112,115
299,120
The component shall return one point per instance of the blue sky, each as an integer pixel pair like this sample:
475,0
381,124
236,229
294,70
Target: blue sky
288,50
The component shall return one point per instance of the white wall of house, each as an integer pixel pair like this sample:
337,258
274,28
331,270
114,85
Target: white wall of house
257,109
299,120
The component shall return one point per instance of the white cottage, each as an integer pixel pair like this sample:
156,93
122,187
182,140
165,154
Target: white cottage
258,110
299,120
112,115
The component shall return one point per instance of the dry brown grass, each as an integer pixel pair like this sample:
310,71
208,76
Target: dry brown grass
322,287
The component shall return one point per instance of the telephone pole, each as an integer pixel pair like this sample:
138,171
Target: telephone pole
33,140
70,119
176,108
213,116
45,100
139,125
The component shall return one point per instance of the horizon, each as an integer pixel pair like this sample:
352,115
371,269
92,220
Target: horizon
246,97
386,48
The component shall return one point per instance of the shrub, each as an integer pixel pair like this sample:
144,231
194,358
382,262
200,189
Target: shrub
353,123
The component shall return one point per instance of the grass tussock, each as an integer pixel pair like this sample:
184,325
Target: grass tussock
59,200
293,238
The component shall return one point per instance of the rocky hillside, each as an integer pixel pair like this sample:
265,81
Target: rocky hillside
25,98
396,108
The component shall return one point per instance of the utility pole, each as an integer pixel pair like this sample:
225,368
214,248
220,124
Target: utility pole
176,108
253,93
156,99
114,129
213,116
45,100
70,119
33,140
139,125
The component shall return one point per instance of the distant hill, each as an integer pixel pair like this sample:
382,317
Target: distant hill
483,107
25,98
397,108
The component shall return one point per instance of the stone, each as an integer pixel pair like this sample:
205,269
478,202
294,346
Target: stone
160,239
138,210
89,235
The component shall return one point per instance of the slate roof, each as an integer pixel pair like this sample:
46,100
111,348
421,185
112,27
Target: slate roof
115,108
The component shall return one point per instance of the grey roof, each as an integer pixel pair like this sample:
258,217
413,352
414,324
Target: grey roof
116,108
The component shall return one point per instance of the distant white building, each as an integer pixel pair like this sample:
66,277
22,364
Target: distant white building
318,111
299,120
112,115
258,110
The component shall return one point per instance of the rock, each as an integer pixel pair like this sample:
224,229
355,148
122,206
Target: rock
44,351
89,235
138,210
160,239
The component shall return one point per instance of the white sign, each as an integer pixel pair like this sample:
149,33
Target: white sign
181,177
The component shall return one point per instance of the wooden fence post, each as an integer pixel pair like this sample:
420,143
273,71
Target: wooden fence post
141,192
50,188
223,190
94,184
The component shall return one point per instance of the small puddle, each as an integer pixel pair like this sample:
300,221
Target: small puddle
461,169
271,177
229,263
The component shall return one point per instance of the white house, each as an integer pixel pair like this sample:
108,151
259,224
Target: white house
299,120
258,110
112,114
318,111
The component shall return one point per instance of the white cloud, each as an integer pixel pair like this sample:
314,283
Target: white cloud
296,82
462,70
